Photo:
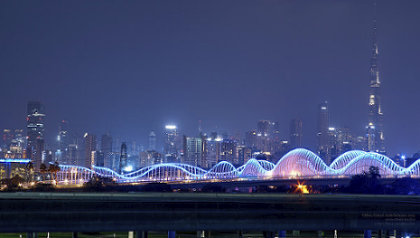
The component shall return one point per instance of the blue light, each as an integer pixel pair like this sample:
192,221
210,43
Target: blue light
15,160
295,164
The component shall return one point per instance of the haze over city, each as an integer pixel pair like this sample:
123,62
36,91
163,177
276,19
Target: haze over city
209,119
131,68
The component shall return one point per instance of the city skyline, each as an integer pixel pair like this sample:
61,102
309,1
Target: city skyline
267,82
226,118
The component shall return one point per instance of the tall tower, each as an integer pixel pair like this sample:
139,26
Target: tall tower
323,133
171,145
90,146
106,148
296,133
35,132
123,158
62,142
375,133
193,151
152,140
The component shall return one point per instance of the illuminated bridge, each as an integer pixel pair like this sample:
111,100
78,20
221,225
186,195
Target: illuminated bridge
298,163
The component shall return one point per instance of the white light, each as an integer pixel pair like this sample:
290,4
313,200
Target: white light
128,168
170,127
218,139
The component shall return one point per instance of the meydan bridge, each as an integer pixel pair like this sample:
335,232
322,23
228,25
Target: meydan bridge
298,163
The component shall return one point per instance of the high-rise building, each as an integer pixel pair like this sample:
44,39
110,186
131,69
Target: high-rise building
296,133
90,146
98,158
63,141
244,154
345,140
115,160
263,127
106,148
284,147
171,143
323,132
263,135
35,132
228,151
152,140
375,133
193,151
123,157
333,145
6,137
150,157
72,154
251,139
212,150
47,157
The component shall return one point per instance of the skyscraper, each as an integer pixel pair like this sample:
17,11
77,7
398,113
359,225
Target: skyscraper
322,134
72,154
296,133
171,143
63,135
193,151
35,132
98,157
263,135
375,133
152,140
228,151
63,142
212,150
106,148
123,157
90,146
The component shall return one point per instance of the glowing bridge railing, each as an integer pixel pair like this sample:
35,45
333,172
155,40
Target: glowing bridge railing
296,163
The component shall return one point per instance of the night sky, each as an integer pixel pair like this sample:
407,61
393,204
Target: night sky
128,67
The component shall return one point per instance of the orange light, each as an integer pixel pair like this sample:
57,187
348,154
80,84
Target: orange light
301,188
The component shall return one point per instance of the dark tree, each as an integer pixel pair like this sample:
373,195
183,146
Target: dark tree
43,169
366,183
29,169
98,183
54,169
13,183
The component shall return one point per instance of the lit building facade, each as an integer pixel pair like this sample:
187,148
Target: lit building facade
90,146
228,151
323,133
171,143
375,131
123,158
194,151
212,150
35,132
